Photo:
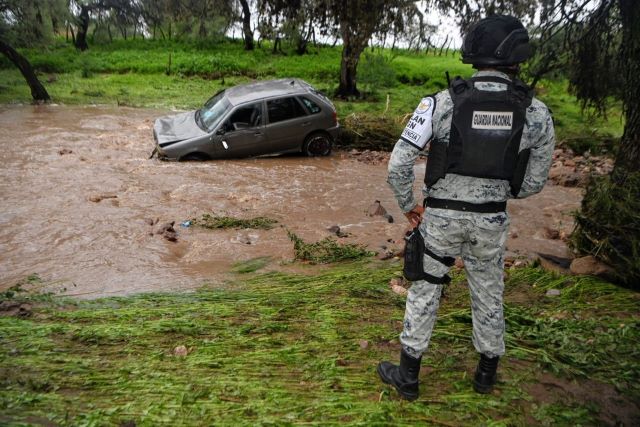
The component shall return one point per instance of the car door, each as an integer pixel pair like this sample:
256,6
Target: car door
242,133
287,123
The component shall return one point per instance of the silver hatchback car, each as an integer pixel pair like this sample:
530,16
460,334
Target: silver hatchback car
268,117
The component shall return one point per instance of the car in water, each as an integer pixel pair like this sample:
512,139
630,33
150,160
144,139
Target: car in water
266,117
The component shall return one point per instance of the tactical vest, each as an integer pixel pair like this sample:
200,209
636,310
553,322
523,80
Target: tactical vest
486,129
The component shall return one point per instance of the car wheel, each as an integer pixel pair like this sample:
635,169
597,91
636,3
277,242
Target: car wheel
317,144
194,157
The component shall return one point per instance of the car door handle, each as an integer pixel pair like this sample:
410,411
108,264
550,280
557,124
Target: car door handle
257,133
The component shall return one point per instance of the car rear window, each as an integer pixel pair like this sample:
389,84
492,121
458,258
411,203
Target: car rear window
315,92
311,106
284,109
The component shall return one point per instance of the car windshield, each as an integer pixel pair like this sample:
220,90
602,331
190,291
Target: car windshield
209,116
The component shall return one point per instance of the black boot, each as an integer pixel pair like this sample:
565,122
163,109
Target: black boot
404,377
486,376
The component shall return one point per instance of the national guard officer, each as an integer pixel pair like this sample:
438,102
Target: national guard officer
489,140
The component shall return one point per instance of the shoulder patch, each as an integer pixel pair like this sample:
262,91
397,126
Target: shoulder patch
419,130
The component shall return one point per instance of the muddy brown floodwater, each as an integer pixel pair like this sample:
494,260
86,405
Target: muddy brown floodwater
58,161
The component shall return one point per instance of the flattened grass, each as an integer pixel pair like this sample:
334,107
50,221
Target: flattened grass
220,222
327,250
289,349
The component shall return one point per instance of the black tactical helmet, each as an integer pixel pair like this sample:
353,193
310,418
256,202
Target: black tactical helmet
497,40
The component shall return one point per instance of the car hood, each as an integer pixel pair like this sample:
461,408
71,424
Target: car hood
170,129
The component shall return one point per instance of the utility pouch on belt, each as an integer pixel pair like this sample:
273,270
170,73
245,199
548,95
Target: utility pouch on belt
414,251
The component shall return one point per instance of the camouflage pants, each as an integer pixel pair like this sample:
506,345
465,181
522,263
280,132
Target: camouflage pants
479,239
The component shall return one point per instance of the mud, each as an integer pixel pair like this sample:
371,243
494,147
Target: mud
613,409
78,195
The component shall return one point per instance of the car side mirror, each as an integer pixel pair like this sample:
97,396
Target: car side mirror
220,131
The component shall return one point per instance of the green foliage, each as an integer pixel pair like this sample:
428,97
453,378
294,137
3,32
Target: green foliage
577,292
376,72
85,70
596,64
94,93
251,266
562,414
327,250
370,132
31,23
608,225
198,70
279,348
18,291
219,222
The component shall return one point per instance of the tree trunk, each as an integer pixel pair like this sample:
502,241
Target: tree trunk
277,45
95,29
83,27
38,92
303,40
246,25
443,45
348,69
628,157
313,37
607,224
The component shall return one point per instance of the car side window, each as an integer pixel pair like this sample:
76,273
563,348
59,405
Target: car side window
284,109
311,106
247,116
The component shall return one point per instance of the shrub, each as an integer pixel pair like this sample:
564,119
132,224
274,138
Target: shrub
326,250
375,72
608,226
371,132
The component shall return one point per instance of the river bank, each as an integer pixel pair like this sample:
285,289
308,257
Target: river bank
82,205
260,338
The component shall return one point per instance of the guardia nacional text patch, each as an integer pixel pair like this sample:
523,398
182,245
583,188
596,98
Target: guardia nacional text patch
492,120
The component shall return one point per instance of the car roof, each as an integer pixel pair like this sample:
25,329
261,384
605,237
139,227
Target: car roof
265,89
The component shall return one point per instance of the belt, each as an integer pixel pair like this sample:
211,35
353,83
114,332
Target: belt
457,205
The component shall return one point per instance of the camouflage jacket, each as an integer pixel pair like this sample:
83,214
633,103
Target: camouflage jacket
538,134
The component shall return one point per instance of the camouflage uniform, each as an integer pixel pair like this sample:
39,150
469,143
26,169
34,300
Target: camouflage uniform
479,238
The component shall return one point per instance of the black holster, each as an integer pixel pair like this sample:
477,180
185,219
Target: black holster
414,251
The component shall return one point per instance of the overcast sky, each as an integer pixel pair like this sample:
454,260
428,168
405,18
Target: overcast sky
445,26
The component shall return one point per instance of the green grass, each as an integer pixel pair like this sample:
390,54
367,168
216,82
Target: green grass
137,73
286,349
251,265
327,250
220,222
